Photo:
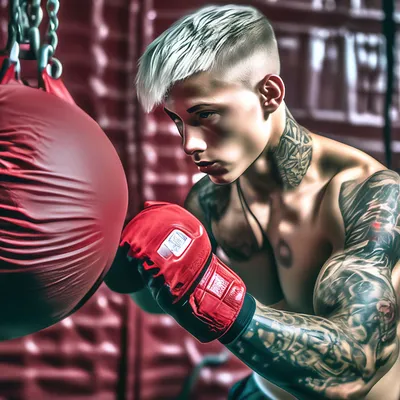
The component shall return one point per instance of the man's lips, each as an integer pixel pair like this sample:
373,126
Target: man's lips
211,167
205,163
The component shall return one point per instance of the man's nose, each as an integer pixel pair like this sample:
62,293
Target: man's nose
193,141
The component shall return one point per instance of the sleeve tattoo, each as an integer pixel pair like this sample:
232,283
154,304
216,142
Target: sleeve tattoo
337,352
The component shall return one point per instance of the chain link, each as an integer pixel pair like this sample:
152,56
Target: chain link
47,50
33,16
53,7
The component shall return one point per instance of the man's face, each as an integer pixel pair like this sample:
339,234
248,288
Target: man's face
222,123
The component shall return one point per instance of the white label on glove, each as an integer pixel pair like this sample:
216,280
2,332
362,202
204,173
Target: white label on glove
176,243
219,285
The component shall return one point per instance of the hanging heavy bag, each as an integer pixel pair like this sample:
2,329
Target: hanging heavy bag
63,196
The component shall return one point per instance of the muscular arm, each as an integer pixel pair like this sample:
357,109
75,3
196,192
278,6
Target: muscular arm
351,342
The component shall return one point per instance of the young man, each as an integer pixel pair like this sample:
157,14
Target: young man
305,230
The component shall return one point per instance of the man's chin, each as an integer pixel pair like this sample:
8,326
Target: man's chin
224,179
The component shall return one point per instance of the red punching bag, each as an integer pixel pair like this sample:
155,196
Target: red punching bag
63,201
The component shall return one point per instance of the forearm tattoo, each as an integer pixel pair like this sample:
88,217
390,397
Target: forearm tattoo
354,331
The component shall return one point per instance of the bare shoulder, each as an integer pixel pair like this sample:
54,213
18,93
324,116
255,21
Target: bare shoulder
352,191
343,167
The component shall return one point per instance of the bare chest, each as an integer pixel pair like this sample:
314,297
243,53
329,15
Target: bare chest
277,248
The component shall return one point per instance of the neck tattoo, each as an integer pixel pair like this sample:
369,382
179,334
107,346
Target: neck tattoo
293,153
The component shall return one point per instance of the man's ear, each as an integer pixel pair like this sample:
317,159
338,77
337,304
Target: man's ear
272,92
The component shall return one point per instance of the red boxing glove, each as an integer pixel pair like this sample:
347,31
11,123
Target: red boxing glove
186,279
123,276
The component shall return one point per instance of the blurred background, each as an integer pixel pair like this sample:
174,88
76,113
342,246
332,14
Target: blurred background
335,66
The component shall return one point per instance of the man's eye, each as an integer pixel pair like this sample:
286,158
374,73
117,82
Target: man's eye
206,114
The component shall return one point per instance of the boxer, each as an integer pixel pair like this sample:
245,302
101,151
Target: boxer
288,250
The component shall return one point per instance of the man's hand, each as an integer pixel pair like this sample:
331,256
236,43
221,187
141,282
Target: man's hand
185,278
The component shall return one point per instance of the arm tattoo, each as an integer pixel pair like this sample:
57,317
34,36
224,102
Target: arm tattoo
339,350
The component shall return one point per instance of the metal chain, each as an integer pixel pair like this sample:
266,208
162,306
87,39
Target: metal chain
15,34
25,17
14,25
32,15
53,7
47,50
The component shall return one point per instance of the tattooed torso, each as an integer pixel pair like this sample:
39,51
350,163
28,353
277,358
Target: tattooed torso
279,246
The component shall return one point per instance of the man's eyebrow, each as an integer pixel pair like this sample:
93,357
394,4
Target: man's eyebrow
196,107
190,110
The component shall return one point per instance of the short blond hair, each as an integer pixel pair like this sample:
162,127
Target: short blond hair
208,39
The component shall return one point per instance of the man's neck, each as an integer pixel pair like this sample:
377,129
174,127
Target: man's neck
292,156
285,161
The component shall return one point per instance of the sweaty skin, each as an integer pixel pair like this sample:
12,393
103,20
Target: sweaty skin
312,228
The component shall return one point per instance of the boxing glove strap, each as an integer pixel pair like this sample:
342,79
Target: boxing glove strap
195,283
242,321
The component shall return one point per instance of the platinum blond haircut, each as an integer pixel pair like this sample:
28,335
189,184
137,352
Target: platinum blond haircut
209,39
